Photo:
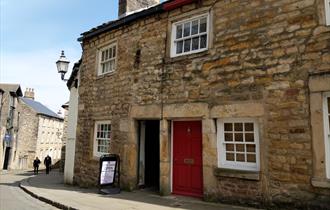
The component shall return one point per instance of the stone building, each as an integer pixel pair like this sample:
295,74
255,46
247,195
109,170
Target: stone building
41,131
9,123
225,100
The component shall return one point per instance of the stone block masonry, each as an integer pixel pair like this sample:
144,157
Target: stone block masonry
258,63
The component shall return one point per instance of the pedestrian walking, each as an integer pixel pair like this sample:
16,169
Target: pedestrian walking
48,163
36,163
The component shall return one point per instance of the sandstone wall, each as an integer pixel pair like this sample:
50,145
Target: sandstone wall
260,56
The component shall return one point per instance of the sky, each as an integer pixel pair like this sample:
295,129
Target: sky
33,33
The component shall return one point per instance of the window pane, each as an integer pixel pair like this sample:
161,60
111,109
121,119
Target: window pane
228,137
230,156
203,25
114,51
251,158
249,137
110,53
186,30
179,47
187,45
240,157
229,147
203,41
228,126
239,137
194,27
106,55
248,126
250,148
240,148
238,126
102,59
179,31
195,43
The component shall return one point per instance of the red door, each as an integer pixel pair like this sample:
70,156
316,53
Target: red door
187,158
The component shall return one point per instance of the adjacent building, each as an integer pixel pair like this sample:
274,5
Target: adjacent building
28,129
225,100
9,123
42,129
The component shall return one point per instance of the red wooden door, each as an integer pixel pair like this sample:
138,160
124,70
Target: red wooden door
187,158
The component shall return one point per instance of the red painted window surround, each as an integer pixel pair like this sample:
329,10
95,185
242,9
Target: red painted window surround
175,4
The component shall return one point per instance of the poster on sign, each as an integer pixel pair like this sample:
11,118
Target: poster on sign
108,170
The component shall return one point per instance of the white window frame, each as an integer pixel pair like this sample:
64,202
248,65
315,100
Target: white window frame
99,70
173,35
326,114
95,143
222,162
327,12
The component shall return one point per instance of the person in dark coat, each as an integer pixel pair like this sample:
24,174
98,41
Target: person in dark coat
36,163
48,163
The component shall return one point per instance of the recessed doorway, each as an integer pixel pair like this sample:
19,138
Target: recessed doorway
148,174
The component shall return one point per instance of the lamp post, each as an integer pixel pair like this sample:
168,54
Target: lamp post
62,65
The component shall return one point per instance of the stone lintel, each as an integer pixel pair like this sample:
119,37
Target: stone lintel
186,110
145,111
237,110
321,183
319,83
249,175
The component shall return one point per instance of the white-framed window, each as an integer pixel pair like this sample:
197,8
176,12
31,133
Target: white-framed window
190,35
107,59
327,12
238,144
326,119
102,137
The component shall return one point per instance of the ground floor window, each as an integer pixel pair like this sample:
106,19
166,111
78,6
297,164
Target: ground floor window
238,144
102,137
326,117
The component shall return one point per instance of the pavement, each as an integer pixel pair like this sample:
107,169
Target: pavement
52,190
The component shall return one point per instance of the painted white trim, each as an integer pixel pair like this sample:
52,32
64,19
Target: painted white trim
327,12
95,152
326,113
171,168
222,163
173,35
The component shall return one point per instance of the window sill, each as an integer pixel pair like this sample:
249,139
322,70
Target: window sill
170,60
321,183
248,175
105,75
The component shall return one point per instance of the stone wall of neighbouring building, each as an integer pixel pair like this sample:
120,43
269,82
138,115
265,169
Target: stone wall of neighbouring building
27,137
260,57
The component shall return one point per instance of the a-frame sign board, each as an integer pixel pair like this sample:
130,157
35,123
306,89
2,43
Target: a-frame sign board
109,176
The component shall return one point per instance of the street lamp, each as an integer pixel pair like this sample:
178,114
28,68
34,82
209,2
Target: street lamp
62,65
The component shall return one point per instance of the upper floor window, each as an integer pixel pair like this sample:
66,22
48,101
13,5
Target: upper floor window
327,12
190,36
107,59
238,144
102,137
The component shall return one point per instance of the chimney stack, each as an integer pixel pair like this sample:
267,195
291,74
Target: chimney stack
127,6
29,93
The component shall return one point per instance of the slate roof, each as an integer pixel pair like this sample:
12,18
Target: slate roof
110,25
12,88
40,108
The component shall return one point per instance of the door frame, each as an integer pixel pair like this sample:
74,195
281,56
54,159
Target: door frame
171,142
